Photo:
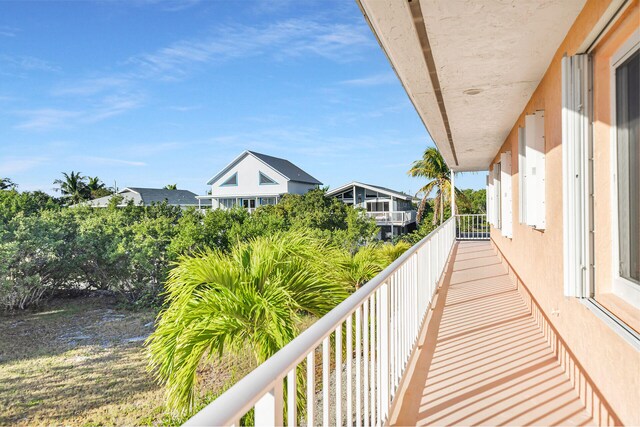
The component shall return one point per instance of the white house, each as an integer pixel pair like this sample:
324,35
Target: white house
253,179
393,210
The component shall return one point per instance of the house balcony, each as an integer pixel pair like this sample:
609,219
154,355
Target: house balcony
446,335
398,218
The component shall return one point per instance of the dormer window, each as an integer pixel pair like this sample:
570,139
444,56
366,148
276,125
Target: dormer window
231,181
265,180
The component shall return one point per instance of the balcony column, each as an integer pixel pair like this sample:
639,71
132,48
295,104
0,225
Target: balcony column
453,193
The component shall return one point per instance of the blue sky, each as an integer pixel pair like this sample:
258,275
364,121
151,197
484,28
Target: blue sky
148,93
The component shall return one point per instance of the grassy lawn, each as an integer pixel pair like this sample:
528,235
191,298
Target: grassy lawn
82,362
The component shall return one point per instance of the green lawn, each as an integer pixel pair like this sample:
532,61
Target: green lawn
82,362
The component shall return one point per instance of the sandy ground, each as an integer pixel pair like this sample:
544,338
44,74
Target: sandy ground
82,362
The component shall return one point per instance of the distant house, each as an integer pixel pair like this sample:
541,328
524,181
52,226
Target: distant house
253,179
393,210
147,196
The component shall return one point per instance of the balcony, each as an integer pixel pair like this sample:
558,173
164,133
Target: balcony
399,218
444,335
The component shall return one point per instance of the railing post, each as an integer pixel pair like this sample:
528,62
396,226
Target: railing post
268,410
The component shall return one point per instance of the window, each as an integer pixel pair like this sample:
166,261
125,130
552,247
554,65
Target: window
378,206
267,201
249,203
626,106
265,180
231,181
534,161
227,203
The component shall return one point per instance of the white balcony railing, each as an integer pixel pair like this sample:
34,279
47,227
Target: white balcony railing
472,227
375,330
395,217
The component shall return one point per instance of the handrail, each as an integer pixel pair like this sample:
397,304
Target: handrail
246,393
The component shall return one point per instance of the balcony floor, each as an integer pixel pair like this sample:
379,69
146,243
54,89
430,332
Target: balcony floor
483,360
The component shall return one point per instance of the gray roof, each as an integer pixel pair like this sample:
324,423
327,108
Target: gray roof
395,193
146,196
159,195
286,168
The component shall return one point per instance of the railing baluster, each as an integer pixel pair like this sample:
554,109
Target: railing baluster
326,368
311,387
365,360
339,375
291,398
349,357
378,358
383,355
268,410
372,356
358,366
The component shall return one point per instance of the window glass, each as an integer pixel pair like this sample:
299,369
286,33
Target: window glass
264,179
233,180
628,159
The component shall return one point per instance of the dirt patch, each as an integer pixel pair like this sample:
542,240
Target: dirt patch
82,362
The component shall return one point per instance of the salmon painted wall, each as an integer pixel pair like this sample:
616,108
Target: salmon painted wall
611,362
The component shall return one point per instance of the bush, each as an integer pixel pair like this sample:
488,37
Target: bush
129,250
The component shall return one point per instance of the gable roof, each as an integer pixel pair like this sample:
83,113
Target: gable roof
290,171
379,189
159,195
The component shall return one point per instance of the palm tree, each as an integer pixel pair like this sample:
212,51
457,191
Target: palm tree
171,187
250,299
433,167
353,271
7,184
97,188
73,187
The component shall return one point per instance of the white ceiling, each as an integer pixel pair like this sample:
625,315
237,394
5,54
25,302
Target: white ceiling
499,49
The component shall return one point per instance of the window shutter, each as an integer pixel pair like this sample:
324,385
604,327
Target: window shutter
490,198
575,174
522,177
487,201
497,192
535,170
505,196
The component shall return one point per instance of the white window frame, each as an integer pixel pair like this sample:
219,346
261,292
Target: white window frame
621,287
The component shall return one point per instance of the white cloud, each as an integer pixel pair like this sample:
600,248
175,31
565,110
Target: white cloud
374,80
90,86
167,5
28,63
53,118
109,161
291,38
15,165
46,118
7,31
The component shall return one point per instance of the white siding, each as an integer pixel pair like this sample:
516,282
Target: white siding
299,187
